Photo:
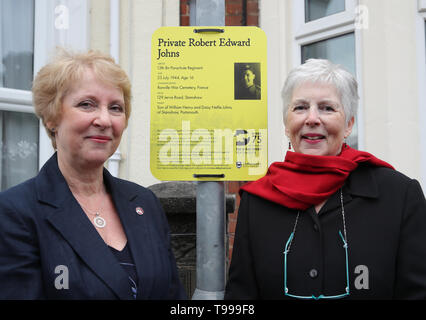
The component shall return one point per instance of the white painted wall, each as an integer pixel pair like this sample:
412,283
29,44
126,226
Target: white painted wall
391,113
145,16
275,22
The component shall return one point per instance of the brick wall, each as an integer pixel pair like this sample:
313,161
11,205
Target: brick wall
237,13
184,12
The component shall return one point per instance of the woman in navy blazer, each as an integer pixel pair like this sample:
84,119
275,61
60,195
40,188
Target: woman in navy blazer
74,231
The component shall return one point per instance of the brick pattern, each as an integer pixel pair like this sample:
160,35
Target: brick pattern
234,13
232,187
237,13
242,13
252,12
184,12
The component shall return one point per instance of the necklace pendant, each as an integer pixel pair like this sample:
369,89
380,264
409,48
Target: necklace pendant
99,221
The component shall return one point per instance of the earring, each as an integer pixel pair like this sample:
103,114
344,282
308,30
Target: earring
289,145
53,130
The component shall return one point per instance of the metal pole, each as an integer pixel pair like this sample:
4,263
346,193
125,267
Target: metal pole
210,241
210,194
207,12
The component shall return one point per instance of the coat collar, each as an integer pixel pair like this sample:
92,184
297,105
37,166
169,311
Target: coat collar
360,183
50,181
69,219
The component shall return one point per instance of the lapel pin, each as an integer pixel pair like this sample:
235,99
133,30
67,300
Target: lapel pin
139,211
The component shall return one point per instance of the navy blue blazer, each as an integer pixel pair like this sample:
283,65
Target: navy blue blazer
43,229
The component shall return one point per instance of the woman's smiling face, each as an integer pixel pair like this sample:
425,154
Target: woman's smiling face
315,122
93,120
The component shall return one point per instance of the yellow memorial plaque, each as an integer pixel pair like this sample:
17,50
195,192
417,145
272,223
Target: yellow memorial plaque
208,103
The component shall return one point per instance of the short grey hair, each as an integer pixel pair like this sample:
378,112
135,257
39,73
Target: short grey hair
321,70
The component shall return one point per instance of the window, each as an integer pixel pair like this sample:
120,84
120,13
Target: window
325,29
19,147
340,50
316,9
19,127
16,43
29,31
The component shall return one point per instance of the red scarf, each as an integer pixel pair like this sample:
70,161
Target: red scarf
302,180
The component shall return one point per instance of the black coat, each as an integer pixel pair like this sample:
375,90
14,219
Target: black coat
42,227
385,215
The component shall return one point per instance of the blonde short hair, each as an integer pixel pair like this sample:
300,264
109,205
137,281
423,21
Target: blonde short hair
56,78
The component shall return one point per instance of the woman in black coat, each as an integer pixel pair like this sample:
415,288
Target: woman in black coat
330,221
74,231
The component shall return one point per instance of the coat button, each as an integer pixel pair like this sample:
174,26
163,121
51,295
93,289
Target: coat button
313,273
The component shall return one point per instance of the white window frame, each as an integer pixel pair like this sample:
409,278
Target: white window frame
17,100
46,37
421,74
331,26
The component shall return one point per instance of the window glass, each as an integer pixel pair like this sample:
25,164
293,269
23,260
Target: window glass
16,43
19,147
19,131
316,9
339,50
